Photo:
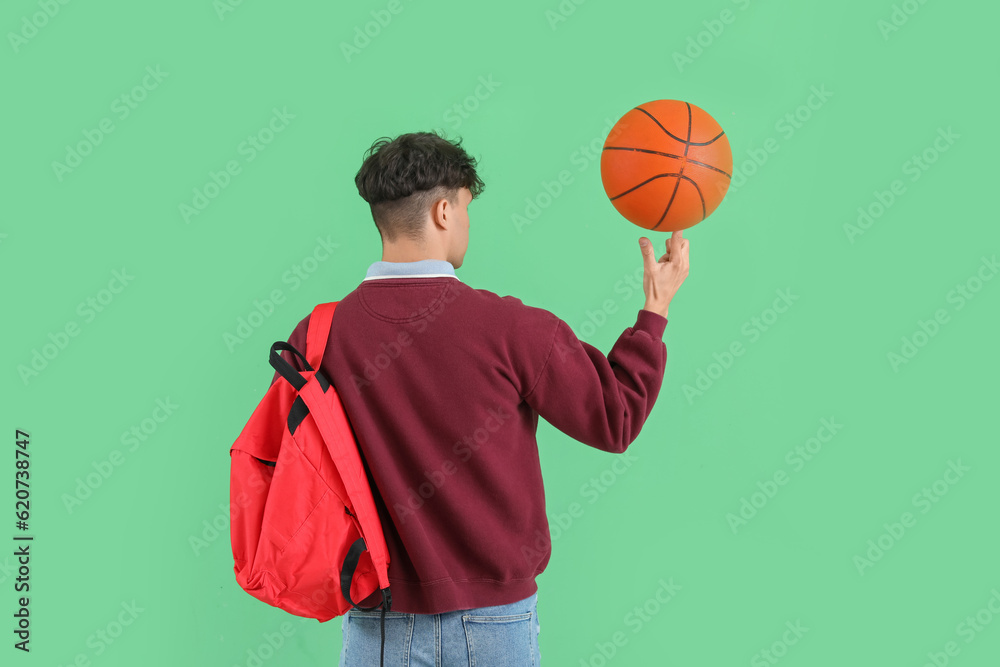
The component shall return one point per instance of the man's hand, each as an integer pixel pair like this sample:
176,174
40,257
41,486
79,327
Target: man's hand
661,279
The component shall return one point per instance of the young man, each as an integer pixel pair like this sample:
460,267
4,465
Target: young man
444,384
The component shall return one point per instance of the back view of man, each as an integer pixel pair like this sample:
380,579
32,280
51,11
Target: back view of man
444,384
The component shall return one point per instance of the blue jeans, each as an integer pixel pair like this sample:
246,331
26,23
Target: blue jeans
483,637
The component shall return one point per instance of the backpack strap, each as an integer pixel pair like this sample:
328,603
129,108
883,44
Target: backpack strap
335,428
318,332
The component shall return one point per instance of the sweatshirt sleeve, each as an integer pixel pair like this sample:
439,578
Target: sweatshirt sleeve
601,401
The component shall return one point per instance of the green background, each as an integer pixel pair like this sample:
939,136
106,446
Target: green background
134,538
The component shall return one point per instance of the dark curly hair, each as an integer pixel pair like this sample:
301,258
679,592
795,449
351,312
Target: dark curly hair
400,179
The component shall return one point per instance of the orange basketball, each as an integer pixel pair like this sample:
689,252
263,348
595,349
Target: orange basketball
666,165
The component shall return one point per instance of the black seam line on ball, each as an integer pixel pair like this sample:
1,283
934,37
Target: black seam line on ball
677,183
671,135
700,196
646,150
648,180
679,176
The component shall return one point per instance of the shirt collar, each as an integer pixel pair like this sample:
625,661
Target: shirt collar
424,268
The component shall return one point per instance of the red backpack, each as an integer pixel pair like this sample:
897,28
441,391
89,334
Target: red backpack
305,534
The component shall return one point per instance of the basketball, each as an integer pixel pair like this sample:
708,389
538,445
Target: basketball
666,165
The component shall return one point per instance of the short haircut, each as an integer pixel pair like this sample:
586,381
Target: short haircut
401,178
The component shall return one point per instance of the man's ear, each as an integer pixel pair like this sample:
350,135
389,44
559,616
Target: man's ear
440,211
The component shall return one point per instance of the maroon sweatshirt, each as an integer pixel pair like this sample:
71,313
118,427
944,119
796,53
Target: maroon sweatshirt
443,385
